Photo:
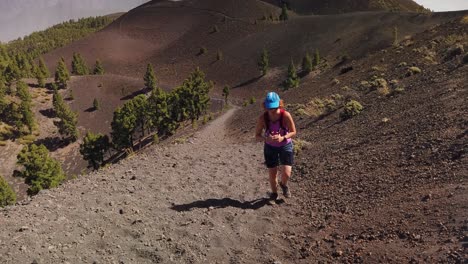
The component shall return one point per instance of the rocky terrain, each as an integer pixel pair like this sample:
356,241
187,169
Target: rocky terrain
388,185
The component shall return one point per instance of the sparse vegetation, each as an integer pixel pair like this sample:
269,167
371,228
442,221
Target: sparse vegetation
226,91
264,62
413,71
395,36
307,65
98,68
299,145
7,195
351,109
252,100
284,13
318,107
317,59
96,104
292,80
202,51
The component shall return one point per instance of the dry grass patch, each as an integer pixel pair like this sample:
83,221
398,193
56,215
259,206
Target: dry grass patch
464,20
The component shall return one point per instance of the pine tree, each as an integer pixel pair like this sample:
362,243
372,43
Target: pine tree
284,13
307,63
316,61
7,195
123,126
43,68
150,78
40,170
264,62
27,115
67,124
158,111
79,65
22,91
193,96
140,107
98,68
58,103
226,93
292,80
61,74
93,149
12,73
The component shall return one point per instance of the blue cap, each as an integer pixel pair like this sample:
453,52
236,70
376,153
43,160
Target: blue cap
272,100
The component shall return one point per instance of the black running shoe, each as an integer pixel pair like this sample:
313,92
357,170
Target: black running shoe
272,198
286,191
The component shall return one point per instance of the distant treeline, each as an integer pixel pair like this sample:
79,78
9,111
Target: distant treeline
17,57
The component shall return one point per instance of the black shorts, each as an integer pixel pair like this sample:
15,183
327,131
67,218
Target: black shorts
275,156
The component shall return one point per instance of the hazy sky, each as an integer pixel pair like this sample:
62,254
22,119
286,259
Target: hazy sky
444,5
22,17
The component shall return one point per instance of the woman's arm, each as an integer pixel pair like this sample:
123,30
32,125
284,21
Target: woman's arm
259,129
290,125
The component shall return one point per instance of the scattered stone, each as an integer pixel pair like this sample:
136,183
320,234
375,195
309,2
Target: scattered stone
23,228
427,197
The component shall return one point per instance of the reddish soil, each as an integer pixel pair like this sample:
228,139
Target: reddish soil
389,185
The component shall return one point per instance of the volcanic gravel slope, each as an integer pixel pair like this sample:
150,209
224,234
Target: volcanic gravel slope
194,202
390,184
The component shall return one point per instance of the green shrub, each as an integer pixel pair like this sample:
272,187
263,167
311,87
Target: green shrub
300,112
156,139
7,195
352,108
413,71
402,64
398,90
205,119
336,81
40,170
299,145
202,51
252,100
246,103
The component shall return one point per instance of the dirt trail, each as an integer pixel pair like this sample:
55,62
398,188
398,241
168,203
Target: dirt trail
188,203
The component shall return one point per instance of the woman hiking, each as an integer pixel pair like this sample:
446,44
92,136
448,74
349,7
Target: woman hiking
276,127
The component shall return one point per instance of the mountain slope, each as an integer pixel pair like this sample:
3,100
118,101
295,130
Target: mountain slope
346,6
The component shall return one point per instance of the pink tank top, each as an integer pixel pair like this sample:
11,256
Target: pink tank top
276,128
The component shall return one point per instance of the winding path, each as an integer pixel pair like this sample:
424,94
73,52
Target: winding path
196,202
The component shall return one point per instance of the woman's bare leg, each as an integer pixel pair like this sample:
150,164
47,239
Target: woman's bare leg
273,172
285,174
